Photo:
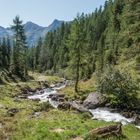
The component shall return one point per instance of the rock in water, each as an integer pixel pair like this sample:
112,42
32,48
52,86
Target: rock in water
94,100
64,106
137,120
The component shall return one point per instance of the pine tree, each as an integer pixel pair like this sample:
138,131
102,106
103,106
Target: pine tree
31,58
8,51
19,66
0,55
4,53
37,53
90,42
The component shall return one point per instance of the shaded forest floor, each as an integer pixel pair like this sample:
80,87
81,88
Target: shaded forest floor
34,121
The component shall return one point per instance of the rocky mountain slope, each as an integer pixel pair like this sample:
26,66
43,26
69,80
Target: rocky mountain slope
33,31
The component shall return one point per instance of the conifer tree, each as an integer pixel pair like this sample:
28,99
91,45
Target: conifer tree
38,53
77,44
19,62
8,51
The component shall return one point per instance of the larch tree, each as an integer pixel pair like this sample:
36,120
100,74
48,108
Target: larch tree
77,40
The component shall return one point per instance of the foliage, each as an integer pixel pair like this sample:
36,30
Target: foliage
19,58
45,106
77,39
5,53
118,84
90,42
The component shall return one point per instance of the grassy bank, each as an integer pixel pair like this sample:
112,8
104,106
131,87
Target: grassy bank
48,124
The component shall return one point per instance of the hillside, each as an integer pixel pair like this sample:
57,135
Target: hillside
107,37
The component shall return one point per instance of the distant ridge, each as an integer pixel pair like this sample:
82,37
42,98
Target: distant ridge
33,31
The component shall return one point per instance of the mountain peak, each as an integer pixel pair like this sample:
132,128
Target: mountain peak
55,24
32,26
56,21
33,31
30,23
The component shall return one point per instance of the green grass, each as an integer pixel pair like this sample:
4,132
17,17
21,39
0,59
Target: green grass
85,87
23,126
72,124
44,128
44,77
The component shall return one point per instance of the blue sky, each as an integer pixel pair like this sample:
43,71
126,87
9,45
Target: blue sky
43,12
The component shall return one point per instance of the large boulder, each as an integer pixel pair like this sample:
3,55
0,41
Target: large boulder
74,106
94,100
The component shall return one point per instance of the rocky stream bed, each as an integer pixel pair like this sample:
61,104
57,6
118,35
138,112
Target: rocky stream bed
93,104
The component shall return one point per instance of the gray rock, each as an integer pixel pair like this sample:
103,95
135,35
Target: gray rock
73,105
11,112
57,97
137,120
128,114
79,107
94,100
64,106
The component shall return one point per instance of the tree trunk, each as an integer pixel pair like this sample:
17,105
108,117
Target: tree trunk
77,70
107,131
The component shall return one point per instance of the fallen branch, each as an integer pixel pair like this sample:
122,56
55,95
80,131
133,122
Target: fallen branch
112,130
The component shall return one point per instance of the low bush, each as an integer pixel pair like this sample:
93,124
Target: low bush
45,106
119,87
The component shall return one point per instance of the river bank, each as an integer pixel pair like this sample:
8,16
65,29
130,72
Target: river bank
34,120
51,95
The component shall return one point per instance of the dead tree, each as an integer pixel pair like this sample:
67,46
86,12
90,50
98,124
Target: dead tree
112,130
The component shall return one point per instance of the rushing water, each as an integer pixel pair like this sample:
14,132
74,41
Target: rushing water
98,113
106,115
43,95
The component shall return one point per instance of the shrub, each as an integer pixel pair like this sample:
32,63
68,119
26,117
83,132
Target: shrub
120,85
86,115
110,57
45,106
